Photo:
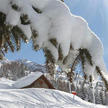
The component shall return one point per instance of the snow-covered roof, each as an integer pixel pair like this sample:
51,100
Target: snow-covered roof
27,80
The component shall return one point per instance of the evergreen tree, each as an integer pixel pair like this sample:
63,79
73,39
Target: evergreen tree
11,37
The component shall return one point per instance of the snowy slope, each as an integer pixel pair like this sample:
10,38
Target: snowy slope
4,61
16,69
10,97
41,98
6,83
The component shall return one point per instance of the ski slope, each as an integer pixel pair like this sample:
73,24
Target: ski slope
41,98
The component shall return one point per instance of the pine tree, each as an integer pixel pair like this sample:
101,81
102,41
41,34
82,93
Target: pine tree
12,36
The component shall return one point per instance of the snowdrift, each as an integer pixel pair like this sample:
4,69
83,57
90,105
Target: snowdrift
41,98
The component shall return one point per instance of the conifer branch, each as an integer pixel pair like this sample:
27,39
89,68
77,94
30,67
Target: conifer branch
37,10
24,19
60,53
54,42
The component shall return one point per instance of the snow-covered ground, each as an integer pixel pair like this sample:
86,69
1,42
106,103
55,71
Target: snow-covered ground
5,83
10,97
41,98
50,23
38,98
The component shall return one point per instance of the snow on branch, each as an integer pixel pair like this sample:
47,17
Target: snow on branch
51,26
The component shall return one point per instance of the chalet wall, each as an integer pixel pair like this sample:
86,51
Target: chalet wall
40,83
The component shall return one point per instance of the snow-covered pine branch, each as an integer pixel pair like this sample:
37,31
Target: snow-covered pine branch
51,26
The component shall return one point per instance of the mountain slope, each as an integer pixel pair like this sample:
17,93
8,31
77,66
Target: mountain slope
14,70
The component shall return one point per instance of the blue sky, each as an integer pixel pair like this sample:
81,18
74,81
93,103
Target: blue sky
96,14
